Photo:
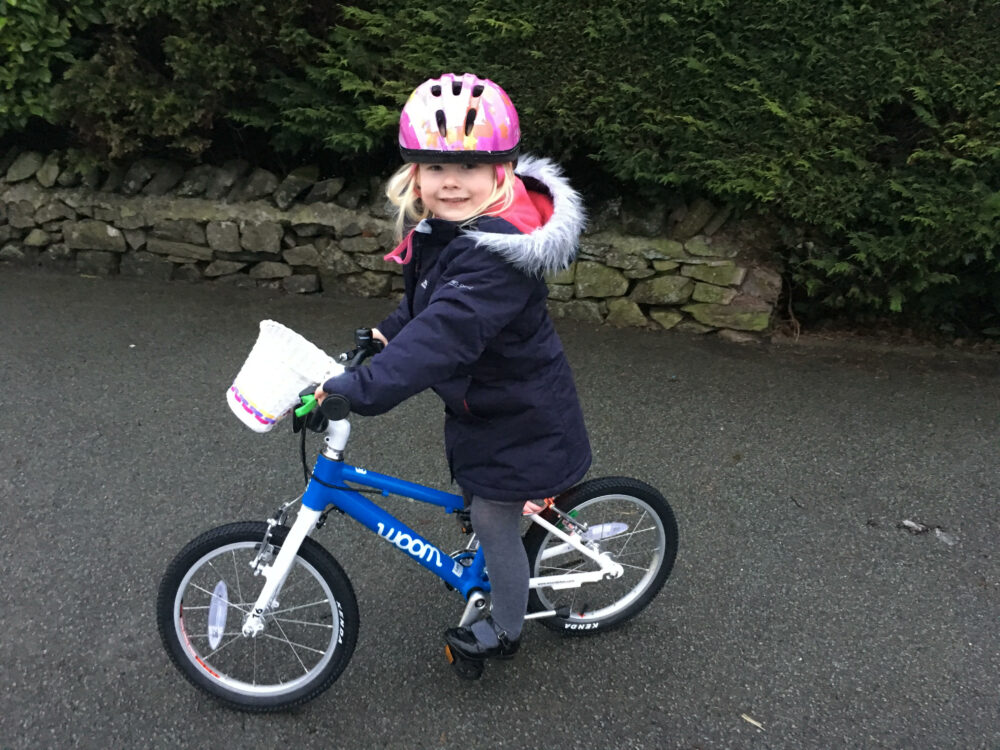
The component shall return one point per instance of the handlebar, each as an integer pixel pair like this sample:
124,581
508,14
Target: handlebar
337,406
367,346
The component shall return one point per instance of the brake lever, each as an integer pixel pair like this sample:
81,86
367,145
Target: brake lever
367,346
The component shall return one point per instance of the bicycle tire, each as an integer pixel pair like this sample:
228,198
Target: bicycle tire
244,672
628,518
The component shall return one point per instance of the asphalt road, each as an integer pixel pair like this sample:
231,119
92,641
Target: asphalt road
798,600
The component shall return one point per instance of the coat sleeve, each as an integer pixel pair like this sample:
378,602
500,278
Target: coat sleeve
475,298
395,321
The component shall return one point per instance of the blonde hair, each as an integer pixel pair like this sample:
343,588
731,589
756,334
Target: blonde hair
401,190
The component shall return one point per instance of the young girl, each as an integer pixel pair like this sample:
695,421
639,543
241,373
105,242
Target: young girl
474,327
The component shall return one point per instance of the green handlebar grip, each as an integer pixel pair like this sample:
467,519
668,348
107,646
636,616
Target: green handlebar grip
308,404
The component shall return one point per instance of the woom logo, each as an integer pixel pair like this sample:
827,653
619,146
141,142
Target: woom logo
415,546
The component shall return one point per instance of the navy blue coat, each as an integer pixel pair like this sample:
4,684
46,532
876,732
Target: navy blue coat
474,327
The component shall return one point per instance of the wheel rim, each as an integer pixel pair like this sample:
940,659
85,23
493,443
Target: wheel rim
639,548
300,637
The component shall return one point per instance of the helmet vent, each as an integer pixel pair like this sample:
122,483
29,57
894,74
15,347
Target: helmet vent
456,87
477,91
441,122
436,90
470,120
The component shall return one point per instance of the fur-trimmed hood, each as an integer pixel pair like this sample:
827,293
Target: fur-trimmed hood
553,245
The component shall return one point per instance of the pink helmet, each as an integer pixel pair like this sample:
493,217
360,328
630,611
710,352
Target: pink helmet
459,119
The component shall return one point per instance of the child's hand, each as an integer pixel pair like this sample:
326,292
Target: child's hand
377,335
320,394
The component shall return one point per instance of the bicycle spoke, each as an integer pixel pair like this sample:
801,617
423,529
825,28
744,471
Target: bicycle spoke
292,645
299,606
634,567
237,637
633,533
286,621
235,606
192,636
236,572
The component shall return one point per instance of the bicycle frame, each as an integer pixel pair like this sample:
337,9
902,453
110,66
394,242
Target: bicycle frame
327,490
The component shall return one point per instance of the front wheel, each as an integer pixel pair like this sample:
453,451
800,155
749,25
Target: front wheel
309,634
628,519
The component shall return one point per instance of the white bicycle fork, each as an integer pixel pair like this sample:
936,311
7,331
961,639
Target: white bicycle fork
277,572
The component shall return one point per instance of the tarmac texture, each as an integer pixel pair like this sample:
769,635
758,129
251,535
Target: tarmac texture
837,584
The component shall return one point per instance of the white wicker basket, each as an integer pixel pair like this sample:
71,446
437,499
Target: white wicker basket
280,365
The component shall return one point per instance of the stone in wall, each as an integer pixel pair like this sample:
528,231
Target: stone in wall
668,289
624,312
38,238
367,284
97,263
260,183
295,184
702,245
53,211
698,214
166,175
48,173
183,250
303,255
93,235
325,191
180,230
135,238
187,272
360,245
195,181
762,283
270,270
667,317
261,237
587,311
137,175
222,179
146,265
25,166
21,215
566,276
745,315
223,268
643,218
595,280
718,295
720,273
561,292
223,236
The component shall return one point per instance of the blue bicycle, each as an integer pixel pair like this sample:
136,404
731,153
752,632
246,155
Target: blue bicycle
263,618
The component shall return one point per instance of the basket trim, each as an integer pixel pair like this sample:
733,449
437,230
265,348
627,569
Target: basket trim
262,417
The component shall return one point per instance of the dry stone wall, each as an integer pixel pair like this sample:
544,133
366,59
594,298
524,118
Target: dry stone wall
235,224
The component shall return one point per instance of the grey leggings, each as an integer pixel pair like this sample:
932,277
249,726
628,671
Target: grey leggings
498,527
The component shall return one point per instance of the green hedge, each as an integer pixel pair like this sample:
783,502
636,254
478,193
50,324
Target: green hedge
870,131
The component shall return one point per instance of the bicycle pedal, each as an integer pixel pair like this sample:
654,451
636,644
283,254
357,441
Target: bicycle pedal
464,518
465,668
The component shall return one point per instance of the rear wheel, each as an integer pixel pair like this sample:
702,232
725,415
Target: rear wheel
628,519
308,637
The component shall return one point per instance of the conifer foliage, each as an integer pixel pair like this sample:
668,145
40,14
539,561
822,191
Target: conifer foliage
870,131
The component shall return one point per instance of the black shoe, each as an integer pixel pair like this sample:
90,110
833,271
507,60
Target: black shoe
464,641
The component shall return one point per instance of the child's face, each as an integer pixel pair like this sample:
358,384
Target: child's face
455,191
